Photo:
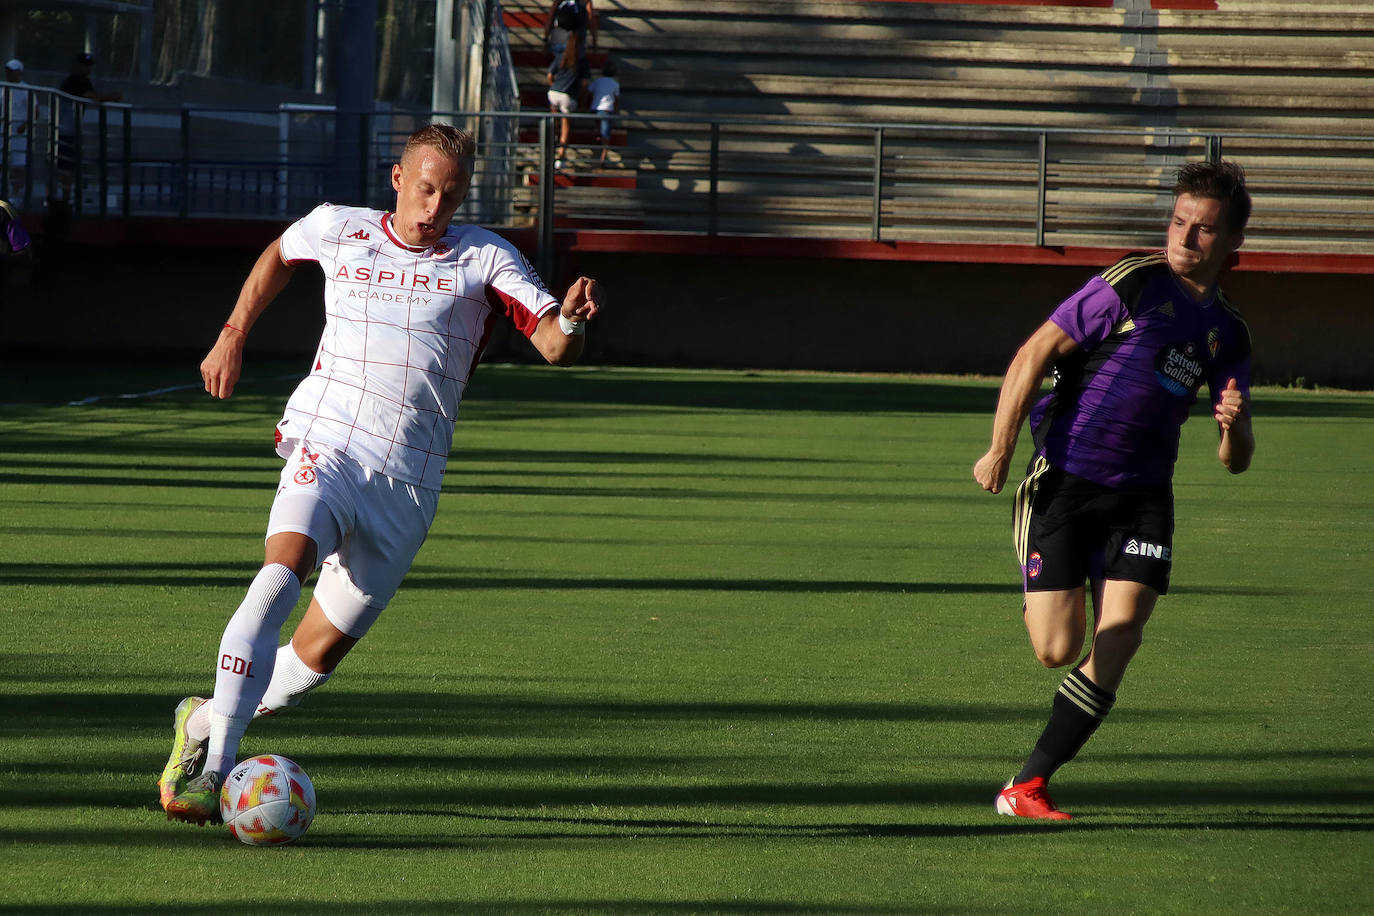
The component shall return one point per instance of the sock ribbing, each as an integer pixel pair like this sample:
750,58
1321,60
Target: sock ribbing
247,655
1078,709
291,680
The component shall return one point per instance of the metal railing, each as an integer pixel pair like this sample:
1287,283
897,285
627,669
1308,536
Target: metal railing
708,176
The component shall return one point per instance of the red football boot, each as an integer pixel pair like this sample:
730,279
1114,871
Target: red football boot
1029,799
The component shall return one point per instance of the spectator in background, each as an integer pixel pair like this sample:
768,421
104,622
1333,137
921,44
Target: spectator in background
605,93
567,79
79,84
570,17
16,119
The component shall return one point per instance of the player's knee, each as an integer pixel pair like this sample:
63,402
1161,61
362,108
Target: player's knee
1120,642
1056,653
1055,659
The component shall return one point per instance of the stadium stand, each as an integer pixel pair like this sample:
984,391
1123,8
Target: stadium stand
1167,67
1245,66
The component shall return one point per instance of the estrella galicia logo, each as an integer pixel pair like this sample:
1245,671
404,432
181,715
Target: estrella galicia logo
1179,370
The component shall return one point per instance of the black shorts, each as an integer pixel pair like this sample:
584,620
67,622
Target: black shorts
1067,530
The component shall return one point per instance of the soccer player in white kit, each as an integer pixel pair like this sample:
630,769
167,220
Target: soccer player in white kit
410,302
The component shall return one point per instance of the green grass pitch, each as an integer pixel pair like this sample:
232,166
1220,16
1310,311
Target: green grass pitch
683,642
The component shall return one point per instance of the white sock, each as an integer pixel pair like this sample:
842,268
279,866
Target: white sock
291,680
247,655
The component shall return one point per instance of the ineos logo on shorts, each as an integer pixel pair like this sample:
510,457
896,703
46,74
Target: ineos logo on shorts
1137,548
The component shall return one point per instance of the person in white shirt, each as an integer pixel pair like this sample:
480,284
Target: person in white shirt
410,302
605,93
16,122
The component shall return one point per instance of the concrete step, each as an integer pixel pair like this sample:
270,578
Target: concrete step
1234,15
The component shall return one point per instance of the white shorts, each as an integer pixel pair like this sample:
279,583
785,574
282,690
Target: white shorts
561,102
367,528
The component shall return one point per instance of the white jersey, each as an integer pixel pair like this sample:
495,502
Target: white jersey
404,328
16,123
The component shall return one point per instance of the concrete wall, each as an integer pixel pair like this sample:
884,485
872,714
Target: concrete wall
928,317
694,311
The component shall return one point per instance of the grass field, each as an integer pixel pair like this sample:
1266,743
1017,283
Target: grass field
684,642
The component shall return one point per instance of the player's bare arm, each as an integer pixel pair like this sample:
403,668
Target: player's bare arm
584,301
221,367
1028,369
1237,435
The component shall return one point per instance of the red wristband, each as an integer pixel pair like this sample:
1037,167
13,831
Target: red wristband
232,328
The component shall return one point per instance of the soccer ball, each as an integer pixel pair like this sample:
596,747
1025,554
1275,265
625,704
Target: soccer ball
267,801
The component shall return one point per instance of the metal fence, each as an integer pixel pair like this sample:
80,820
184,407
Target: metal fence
708,176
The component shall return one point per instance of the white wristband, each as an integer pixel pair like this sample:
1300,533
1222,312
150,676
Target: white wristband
571,328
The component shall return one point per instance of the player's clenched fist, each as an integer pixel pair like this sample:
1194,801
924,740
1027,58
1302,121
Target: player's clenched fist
991,472
1231,405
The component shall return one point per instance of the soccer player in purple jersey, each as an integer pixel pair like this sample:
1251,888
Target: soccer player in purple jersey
1129,352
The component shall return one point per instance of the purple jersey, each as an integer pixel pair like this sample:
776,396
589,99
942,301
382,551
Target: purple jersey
15,238
1145,348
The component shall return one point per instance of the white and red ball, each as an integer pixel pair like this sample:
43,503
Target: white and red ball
267,801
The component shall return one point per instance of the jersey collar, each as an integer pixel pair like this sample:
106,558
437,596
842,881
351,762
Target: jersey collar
396,239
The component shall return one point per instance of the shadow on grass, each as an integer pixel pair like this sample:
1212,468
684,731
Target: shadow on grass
458,715
545,907
53,384
229,573
740,774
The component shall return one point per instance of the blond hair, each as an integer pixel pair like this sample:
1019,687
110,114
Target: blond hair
446,140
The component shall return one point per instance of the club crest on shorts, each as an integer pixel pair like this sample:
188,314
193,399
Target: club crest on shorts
305,476
1033,565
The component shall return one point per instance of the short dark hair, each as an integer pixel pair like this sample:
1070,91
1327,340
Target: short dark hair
1221,180
609,68
447,139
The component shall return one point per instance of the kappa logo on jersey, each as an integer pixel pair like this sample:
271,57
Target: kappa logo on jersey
361,235
1137,548
1034,564
1179,370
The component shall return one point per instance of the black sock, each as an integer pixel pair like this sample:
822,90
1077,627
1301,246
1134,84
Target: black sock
1079,707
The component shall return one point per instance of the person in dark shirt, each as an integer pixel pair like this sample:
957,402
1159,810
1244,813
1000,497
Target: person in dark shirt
1129,352
79,84
570,17
567,77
